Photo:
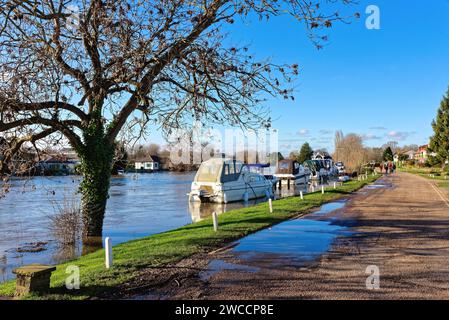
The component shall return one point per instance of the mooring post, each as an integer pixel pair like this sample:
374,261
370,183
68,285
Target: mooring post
301,195
215,220
335,185
108,252
322,189
270,205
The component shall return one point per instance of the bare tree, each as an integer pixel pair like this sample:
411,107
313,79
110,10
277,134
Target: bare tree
154,149
88,70
350,150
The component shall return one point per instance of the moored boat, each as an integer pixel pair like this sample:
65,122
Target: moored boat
227,180
290,170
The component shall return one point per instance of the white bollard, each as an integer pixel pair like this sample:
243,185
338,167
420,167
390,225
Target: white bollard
335,185
215,220
108,252
301,195
270,204
322,189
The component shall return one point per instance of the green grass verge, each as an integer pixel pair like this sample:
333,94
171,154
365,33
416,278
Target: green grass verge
429,173
172,246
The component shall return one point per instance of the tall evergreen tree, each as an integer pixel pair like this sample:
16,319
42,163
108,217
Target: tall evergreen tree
439,143
388,154
305,153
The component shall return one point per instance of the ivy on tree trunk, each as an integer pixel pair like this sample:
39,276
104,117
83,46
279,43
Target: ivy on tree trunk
96,164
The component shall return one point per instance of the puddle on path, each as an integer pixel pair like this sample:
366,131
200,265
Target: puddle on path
293,243
298,241
380,184
218,265
331,206
376,186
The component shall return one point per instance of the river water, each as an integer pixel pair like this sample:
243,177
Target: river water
139,205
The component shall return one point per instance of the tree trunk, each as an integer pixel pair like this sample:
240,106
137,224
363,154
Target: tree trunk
96,166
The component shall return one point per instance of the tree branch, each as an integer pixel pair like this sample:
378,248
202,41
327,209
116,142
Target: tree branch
205,21
36,106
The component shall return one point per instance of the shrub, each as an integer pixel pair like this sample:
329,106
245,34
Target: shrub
66,223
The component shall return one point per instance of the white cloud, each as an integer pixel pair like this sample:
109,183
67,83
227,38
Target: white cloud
303,132
370,136
399,135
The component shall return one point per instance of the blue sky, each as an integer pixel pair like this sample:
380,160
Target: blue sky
383,84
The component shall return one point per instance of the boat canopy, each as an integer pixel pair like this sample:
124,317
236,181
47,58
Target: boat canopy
219,170
288,167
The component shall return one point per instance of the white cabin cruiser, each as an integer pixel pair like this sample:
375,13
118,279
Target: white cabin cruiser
227,180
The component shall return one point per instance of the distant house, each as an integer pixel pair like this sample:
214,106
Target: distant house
410,154
150,163
70,154
321,156
423,154
57,165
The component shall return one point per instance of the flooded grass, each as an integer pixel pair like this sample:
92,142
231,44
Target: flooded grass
172,246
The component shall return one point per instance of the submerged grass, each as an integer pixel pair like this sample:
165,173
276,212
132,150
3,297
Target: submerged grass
172,246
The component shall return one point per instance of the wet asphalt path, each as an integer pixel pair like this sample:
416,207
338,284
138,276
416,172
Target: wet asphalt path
399,226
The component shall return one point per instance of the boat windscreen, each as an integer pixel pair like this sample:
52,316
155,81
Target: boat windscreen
231,171
209,172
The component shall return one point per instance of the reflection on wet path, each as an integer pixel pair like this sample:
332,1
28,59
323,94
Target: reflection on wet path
293,243
297,243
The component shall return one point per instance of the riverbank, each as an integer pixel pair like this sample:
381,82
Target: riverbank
158,250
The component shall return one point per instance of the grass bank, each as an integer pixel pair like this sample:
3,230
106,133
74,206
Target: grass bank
172,246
